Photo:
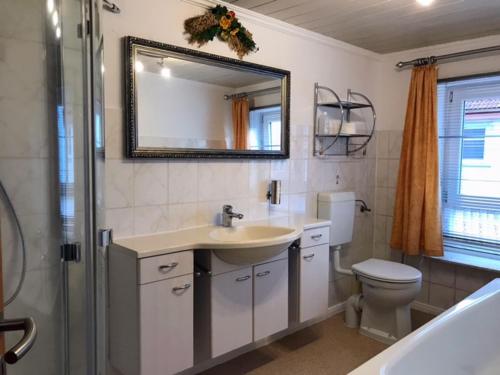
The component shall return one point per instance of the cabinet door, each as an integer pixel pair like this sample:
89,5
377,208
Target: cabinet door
270,298
166,325
314,268
231,310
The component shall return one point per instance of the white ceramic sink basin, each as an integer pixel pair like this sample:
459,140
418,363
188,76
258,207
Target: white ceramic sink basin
243,245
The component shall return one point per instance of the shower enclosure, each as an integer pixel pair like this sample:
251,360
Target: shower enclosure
51,164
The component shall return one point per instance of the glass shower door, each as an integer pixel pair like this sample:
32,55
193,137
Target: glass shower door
46,154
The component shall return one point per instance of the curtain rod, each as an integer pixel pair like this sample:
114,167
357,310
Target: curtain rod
252,93
433,59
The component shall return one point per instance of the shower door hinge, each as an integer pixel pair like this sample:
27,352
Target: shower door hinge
105,237
79,29
71,252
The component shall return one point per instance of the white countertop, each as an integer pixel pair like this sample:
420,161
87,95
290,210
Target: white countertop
198,237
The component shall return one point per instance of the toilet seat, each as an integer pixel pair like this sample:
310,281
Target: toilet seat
386,271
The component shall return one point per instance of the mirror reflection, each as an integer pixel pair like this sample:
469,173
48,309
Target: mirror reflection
182,103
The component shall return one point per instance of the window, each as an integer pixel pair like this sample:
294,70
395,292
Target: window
265,128
469,145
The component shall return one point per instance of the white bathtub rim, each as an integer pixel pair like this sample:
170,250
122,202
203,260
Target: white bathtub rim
380,363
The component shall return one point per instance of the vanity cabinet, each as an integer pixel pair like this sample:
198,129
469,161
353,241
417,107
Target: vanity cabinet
236,305
231,310
151,312
313,281
310,265
270,298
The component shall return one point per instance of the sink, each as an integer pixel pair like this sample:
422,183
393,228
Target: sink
243,245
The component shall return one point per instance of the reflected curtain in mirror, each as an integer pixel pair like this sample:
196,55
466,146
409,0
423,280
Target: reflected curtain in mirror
240,123
416,227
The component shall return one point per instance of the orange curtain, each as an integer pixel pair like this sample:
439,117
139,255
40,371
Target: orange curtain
240,123
416,227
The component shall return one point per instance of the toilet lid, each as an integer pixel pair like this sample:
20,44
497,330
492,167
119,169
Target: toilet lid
384,270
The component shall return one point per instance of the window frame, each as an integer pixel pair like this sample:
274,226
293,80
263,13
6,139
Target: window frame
451,192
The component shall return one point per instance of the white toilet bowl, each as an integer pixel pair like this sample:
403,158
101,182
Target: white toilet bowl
388,289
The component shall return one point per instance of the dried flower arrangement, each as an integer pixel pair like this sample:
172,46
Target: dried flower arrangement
223,24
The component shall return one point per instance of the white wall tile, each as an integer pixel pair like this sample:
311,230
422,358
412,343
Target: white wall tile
150,183
298,176
183,215
114,133
121,220
182,182
442,273
441,296
151,219
259,178
119,183
471,279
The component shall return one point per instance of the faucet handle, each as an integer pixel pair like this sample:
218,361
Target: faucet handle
227,208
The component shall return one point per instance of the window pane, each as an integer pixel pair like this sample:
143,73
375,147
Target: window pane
480,167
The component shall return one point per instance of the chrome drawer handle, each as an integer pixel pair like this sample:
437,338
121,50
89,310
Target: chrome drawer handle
262,274
168,267
316,236
180,288
243,278
308,257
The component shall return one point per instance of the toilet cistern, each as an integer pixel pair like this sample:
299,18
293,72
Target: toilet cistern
228,215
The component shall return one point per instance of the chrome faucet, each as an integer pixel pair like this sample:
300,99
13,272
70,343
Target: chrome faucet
228,215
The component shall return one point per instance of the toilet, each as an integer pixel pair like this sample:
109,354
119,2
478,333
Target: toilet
388,288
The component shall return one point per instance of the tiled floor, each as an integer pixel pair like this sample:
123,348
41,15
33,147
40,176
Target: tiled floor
328,347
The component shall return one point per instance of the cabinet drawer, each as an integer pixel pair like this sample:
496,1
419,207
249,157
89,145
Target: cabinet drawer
315,236
165,266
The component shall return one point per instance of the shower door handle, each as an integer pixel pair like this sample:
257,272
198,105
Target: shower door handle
18,351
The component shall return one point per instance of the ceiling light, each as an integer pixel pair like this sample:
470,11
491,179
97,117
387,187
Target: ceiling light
50,5
165,72
425,3
139,67
55,18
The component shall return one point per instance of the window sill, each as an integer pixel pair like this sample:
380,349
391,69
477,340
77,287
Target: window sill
468,258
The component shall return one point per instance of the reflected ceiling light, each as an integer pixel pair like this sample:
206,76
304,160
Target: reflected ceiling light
102,68
58,32
425,3
50,5
139,67
55,18
165,72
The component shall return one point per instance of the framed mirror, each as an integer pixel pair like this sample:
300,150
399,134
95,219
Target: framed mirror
182,103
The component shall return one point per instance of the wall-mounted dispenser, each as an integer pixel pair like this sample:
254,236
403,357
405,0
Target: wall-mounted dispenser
274,192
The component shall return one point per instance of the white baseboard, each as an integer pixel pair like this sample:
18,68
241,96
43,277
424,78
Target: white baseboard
426,308
336,309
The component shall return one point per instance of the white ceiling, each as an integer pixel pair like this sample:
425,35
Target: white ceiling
386,25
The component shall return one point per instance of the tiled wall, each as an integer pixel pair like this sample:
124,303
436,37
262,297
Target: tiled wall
444,284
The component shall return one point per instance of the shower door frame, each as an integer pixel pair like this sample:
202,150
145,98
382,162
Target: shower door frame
90,31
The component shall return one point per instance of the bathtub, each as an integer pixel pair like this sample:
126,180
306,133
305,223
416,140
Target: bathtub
463,340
